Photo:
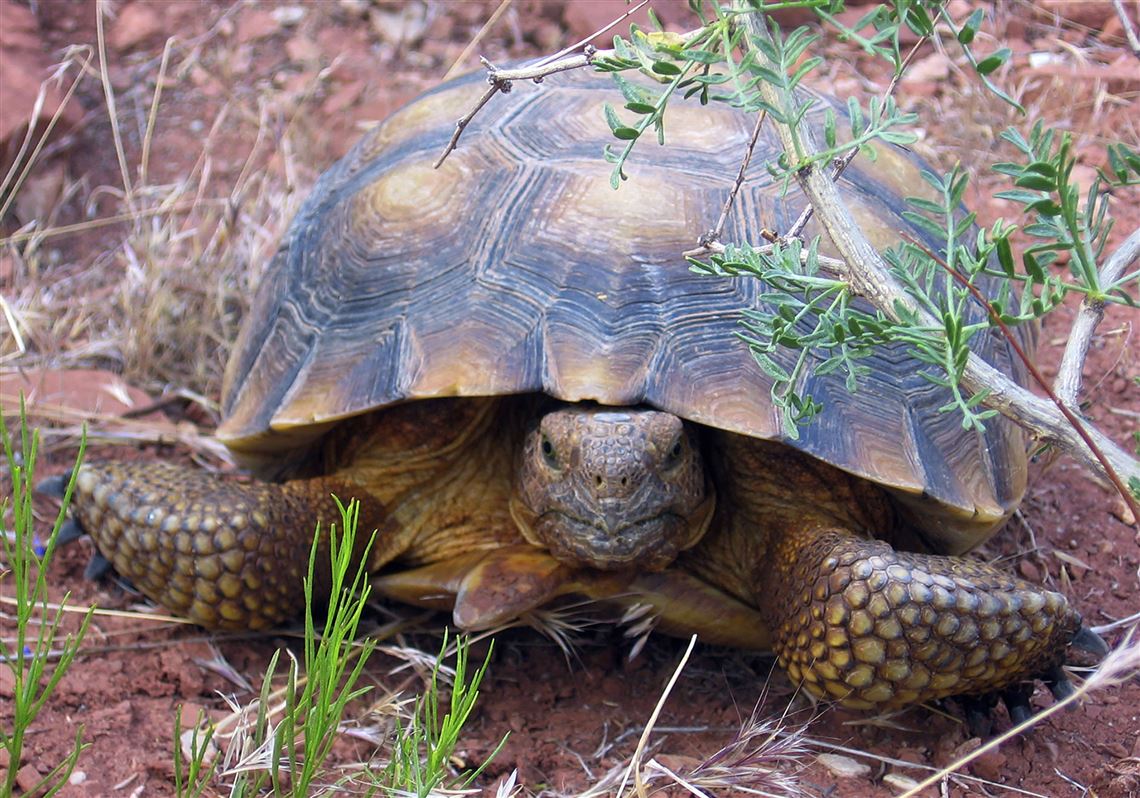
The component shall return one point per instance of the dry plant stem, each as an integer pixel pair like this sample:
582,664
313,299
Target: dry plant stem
798,227
1070,415
10,185
1129,31
501,79
635,761
457,64
119,218
109,96
581,43
871,278
1068,382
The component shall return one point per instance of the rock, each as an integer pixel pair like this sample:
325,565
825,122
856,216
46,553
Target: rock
288,16
82,392
899,783
24,63
254,24
584,19
989,765
844,766
932,68
136,23
40,193
1091,14
403,26
27,778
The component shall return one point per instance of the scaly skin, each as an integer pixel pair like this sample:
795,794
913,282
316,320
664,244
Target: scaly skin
225,554
857,622
792,554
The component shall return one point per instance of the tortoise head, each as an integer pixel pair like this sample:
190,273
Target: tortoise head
612,488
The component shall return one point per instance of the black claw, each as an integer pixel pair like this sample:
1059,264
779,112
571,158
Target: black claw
978,709
98,567
1017,703
54,486
1058,683
69,533
1090,642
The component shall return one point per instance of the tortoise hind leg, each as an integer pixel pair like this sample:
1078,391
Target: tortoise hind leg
222,553
860,623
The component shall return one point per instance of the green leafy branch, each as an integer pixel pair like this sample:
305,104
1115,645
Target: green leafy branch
1044,185
814,316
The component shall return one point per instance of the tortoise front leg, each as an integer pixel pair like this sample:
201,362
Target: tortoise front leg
222,553
860,623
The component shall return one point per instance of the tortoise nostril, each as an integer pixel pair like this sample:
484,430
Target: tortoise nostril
625,482
598,480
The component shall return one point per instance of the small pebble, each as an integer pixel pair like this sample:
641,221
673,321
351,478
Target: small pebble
844,766
899,783
287,15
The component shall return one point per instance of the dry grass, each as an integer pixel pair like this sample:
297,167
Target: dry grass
154,278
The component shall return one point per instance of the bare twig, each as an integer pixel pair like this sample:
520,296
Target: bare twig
1129,31
1070,415
870,277
798,227
713,236
1068,382
583,42
501,80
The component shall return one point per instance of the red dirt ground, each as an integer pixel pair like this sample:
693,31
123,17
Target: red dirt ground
570,722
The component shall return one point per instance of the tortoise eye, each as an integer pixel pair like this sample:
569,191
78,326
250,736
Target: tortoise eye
675,452
548,452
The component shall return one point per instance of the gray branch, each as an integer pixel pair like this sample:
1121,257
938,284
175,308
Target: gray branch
1067,386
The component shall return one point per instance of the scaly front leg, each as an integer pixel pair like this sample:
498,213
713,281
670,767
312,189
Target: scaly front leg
222,553
860,623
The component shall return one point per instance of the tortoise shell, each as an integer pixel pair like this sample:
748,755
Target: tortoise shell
515,268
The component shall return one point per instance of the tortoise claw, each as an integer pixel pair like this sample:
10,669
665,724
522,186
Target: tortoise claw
1090,642
54,486
1058,683
97,567
1016,700
69,532
979,713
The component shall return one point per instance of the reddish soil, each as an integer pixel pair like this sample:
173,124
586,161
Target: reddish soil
570,721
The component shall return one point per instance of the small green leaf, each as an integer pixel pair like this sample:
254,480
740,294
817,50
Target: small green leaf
641,108
1043,168
992,62
667,68
611,116
701,56
770,367
1036,182
924,204
898,137
970,26
1005,256
1046,207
